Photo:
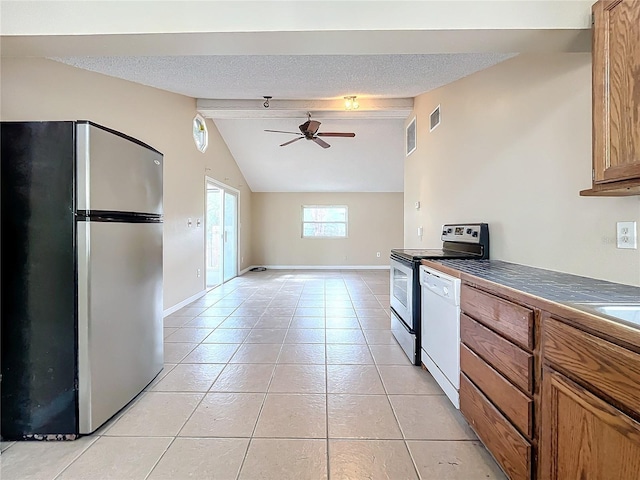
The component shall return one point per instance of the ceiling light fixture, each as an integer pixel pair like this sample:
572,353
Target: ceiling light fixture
350,103
266,101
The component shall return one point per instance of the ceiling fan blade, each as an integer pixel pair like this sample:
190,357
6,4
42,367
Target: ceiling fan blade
310,126
280,131
321,142
291,141
313,127
336,134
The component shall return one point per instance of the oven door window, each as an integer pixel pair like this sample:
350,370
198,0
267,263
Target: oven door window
401,287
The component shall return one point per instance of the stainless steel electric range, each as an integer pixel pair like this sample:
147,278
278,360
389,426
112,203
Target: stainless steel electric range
464,241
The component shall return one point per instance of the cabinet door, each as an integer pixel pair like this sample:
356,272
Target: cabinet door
616,90
583,436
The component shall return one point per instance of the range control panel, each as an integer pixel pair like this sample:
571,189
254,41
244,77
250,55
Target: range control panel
468,233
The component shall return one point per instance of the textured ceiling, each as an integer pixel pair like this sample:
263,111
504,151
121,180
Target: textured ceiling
373,161
291,76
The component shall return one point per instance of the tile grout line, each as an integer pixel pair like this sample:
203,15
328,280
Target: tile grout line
326,390
203,396
75,458
395,416
264,400
161,456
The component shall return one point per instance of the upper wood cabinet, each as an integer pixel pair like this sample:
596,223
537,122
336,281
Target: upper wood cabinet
616,98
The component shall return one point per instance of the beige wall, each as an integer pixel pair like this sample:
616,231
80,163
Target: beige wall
39,89
375,225
514,149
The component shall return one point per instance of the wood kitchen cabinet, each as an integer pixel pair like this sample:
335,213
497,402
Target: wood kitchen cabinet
585,437
616,98
551,390
588,430
549,401
497,381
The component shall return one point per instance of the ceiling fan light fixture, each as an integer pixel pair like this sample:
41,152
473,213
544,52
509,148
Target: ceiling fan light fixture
350,103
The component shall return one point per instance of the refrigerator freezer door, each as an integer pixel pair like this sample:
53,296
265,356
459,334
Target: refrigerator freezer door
116,174
120,347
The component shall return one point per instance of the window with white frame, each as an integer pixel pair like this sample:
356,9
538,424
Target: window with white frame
324,221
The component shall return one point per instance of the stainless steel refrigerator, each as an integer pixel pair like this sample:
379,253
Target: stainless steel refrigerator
81,275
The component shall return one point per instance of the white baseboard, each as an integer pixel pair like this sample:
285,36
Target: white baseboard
192,298
183,303
320,267
242,272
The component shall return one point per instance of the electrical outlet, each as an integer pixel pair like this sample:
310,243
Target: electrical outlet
198,273
378,254
627,235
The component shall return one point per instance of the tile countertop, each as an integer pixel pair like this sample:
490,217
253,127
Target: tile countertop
555,292
547,284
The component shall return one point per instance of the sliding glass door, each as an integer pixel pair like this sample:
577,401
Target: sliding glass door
221,233
230,238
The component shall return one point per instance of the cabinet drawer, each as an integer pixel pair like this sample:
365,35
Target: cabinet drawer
513,321
509,359
514,404
510,449
609,368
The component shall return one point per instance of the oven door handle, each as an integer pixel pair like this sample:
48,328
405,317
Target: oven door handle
409,330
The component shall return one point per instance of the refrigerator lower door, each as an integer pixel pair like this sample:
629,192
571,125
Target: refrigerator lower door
120,348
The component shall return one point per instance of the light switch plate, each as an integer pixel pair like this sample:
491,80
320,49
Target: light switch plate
420,230
627,235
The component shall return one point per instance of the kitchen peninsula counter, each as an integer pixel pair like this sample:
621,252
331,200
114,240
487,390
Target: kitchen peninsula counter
545,380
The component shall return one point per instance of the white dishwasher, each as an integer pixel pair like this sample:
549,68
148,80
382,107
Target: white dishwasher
440,325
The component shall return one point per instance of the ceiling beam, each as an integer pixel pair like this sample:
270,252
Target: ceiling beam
302,27
334,108
362,42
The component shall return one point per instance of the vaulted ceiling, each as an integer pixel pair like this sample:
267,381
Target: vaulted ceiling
307,56
370,162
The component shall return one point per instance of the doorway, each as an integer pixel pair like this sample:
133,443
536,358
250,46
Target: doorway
221,232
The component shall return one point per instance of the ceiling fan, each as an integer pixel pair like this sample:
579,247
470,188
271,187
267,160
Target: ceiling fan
309,131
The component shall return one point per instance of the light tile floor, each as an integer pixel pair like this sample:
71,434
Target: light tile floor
276,375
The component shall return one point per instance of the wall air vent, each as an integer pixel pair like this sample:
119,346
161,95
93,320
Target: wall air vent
434,119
